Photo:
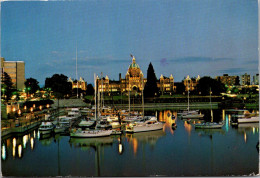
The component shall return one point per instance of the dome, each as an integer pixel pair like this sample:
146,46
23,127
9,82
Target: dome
134,65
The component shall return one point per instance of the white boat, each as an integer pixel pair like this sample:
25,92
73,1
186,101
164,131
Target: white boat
149,125
248,120
192,115
209,125
90,133
86,123
104,124
46,127
243,116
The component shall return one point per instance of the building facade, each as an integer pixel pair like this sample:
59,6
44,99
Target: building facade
228,80
245,79
134,81
80,84
256,79
191,83
16,70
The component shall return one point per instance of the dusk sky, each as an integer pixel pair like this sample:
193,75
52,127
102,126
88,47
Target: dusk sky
179,37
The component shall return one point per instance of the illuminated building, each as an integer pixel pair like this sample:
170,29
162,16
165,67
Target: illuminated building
228,80
80,84
16,70
245,79
256,79
191,83
134,81
166,84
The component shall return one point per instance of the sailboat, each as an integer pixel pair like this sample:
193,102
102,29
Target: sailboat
191,114
60,127
148,123
91,133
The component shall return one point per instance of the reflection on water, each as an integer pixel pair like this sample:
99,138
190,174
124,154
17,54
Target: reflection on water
149,138
166,116
3,152
20,151
32,143
143,152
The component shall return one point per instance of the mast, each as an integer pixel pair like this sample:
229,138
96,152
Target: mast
77,71
188,97
129,96
102,104
95,85
143,95
211,112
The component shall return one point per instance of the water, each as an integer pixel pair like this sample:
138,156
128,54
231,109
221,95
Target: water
181,152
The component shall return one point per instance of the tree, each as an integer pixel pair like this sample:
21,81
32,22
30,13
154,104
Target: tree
180,88
205,83
59,85
31,85
6,86
90,89
151,89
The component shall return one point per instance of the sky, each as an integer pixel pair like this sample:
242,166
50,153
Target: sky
179,37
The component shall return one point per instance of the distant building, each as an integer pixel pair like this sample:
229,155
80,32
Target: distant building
228,80
134,81
16,70
191,83
245,79
166,84
256,79
80,84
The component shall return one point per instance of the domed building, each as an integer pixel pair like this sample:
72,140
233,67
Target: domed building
134,81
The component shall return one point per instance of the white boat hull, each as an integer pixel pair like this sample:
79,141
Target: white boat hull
248,120
91,133
191,116
145,128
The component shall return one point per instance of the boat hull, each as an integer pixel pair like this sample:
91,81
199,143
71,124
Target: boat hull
191,116
91,134
248,120
145,128
208,126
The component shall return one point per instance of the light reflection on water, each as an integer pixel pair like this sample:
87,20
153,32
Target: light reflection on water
66,155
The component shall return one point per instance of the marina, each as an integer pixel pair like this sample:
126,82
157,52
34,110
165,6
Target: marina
165,152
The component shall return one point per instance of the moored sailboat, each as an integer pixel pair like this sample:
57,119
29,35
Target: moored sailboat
90,133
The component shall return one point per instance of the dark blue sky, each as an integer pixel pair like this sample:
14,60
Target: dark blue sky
179,37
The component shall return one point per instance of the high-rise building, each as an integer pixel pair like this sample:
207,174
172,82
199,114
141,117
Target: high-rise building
16,70
245,79
228,80
256,79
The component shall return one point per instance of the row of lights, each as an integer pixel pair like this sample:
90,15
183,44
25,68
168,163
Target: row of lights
31,108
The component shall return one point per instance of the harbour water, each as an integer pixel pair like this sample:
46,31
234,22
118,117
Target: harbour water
185,151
